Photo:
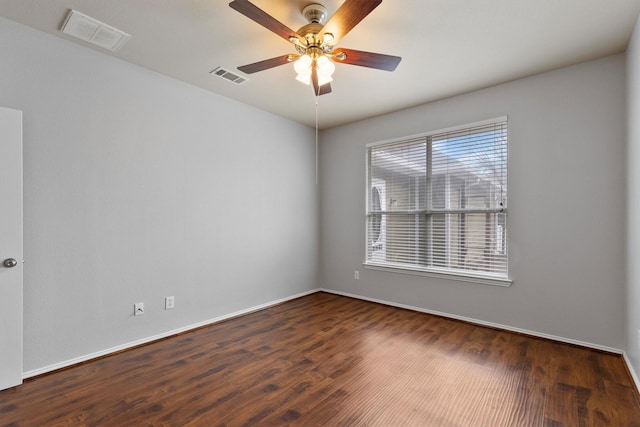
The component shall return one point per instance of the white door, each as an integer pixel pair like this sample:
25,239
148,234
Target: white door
10,248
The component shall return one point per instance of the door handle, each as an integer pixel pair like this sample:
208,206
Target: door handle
10,262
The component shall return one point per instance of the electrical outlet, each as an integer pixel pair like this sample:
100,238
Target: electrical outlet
169,303
138,309
356,275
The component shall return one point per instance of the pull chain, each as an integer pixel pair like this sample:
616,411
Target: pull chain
317,139
316,96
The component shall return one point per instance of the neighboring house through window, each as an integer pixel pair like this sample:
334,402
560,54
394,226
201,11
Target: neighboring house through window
437,202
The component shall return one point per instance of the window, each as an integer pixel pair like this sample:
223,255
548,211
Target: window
437,202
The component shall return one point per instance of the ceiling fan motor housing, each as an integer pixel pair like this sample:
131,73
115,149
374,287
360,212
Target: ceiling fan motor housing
310,33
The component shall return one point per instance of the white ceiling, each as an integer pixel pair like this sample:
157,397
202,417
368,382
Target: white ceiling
448,47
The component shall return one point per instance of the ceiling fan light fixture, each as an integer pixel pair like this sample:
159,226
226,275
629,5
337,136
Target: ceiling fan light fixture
325,66
328,39
304,78
303,65
303,68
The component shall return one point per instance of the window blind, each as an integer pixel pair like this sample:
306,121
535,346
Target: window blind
439,201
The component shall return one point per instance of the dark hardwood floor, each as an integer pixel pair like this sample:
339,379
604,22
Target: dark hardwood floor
327,360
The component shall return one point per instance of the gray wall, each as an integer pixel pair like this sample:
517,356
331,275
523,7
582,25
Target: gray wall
566,205
137,186
633,200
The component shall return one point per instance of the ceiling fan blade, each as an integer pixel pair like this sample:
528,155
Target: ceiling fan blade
367,59
325,89
348,16
319,90
265,65
252,11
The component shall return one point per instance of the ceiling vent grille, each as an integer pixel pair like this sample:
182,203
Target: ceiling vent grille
85,28
228,75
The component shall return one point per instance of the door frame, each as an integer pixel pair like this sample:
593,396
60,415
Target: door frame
11,246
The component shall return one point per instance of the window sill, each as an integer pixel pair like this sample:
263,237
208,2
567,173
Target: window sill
399,268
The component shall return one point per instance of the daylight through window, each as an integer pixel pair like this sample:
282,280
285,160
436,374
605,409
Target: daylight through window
438,202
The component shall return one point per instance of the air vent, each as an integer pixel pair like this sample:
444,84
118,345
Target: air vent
228,75
85,28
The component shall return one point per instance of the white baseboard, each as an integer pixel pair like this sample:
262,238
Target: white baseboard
481,322
147,340
631,371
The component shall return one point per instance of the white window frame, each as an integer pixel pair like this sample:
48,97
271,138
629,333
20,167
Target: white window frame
430,271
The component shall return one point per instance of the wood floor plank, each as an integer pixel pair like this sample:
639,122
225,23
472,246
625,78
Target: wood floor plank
330,360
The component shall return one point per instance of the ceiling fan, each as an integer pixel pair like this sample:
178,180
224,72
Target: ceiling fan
314,42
